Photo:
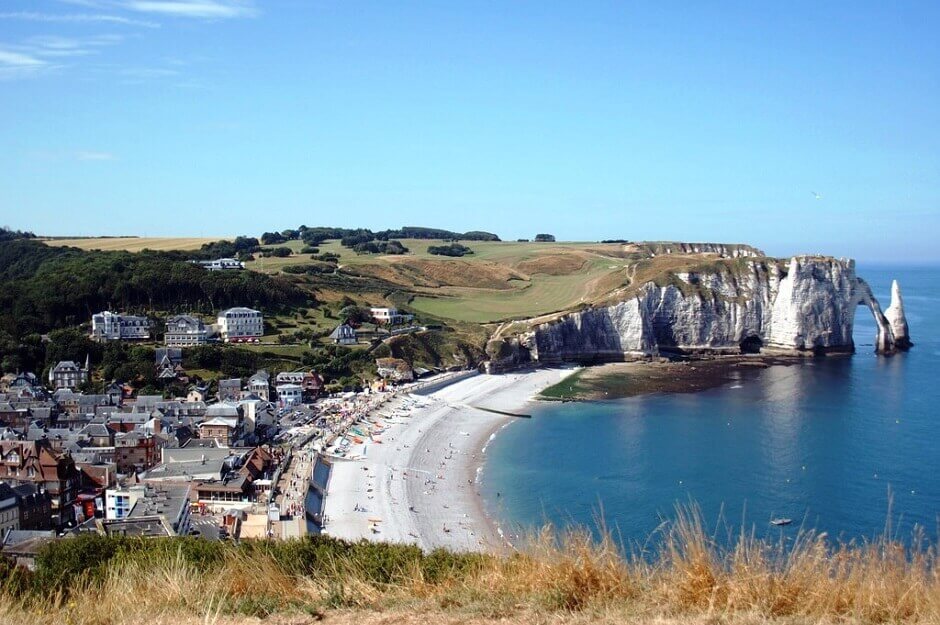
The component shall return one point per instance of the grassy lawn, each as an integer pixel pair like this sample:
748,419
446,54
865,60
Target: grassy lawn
541,295
133,244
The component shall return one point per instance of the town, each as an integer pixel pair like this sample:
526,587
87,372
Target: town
230,461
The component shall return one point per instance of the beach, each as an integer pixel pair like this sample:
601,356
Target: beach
419,484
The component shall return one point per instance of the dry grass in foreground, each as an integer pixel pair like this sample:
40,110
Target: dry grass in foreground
573,579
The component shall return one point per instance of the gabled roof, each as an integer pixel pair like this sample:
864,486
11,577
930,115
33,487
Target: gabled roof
343,331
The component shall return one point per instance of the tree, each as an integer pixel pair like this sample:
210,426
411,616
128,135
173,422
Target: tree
454,249
545,238
356,314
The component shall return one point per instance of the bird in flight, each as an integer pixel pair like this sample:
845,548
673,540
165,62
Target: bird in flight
816,195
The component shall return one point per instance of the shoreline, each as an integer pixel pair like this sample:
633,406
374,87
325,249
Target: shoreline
420,484
625,379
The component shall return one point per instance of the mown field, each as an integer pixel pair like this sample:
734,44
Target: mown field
133,244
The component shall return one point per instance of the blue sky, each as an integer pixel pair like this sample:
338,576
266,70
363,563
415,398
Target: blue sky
659,120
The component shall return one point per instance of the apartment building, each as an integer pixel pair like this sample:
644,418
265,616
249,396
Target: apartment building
109,326
240,325
185,331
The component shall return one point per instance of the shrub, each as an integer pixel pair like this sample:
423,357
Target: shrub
454,249
277,252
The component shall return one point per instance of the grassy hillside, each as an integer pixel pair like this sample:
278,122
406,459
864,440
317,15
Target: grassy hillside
681,576
133,244
500,280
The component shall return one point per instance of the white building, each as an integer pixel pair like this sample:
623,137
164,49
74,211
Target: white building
220,264
184,331
389,316
240,324
109,326
290,394
118,502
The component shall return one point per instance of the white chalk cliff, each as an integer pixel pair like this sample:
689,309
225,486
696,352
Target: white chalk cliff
755,304
896,318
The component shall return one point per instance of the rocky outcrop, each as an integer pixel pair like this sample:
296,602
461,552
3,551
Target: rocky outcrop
805,306
896,318
725,250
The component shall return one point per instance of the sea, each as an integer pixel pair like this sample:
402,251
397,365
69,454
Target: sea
849,446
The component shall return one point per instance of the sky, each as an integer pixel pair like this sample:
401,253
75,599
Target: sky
800,127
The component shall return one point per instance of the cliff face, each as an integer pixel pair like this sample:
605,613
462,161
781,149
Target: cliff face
724,250
807,305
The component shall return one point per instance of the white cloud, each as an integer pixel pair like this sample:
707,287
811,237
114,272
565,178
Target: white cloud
77,18
207,9
55,46
15,64
94,156
37,54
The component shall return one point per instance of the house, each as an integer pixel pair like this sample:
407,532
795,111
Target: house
389,316
115,393
9,509
260,385
238,325
137,451
22,546
97,435
394,369
311,381
13,382
35,507
290,395
169,362
220,264
221,429
200,393
68,374
38,464
229,389
168,355
185,331
109,326
344,335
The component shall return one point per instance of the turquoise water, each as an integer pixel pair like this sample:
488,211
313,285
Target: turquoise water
823,443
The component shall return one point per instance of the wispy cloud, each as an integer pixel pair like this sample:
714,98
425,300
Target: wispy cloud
203,9
77,18
94,156
56,46
47,52
15,64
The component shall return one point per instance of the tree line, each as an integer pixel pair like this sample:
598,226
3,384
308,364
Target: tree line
43,288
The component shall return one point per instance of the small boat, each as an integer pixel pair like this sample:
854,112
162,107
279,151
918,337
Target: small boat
779,522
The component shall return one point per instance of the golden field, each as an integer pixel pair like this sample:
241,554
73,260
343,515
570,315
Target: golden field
133,244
